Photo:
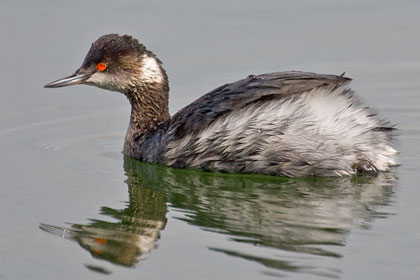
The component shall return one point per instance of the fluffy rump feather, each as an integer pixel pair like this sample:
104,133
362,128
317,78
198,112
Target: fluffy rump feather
323,132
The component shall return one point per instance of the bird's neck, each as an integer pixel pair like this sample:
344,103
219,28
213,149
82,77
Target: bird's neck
149,108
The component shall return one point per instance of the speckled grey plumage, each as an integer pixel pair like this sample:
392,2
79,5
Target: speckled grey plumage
272,148
225,99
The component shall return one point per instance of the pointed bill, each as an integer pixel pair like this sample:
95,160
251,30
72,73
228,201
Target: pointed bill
73,79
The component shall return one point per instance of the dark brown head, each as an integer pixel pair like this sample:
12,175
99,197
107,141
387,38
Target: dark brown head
118,63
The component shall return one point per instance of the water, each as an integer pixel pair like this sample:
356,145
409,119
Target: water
72,207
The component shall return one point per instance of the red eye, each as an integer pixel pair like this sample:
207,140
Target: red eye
101,66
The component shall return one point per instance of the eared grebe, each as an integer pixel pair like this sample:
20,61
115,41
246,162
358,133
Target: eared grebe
284,123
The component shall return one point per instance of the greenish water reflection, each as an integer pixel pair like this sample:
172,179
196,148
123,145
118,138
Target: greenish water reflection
309,216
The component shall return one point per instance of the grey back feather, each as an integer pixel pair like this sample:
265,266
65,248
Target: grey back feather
227,98
237,95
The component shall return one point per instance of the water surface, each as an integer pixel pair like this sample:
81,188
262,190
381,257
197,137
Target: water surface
72,207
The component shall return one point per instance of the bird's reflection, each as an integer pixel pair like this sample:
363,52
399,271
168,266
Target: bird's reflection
311,215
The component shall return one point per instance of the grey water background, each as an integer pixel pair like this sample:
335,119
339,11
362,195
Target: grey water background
71,207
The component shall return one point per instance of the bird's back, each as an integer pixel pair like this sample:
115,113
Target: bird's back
286,123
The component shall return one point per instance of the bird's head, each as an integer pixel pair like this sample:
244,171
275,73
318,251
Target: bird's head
118,63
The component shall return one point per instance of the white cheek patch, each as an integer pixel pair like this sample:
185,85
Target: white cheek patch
98,79
109,82
151,71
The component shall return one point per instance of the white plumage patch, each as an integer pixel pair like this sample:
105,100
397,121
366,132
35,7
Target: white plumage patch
151,71
99,79
110,81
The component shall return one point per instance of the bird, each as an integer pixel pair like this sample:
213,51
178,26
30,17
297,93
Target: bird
291,123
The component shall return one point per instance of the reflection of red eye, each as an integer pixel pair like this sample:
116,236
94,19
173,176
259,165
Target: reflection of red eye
100,240
101,66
